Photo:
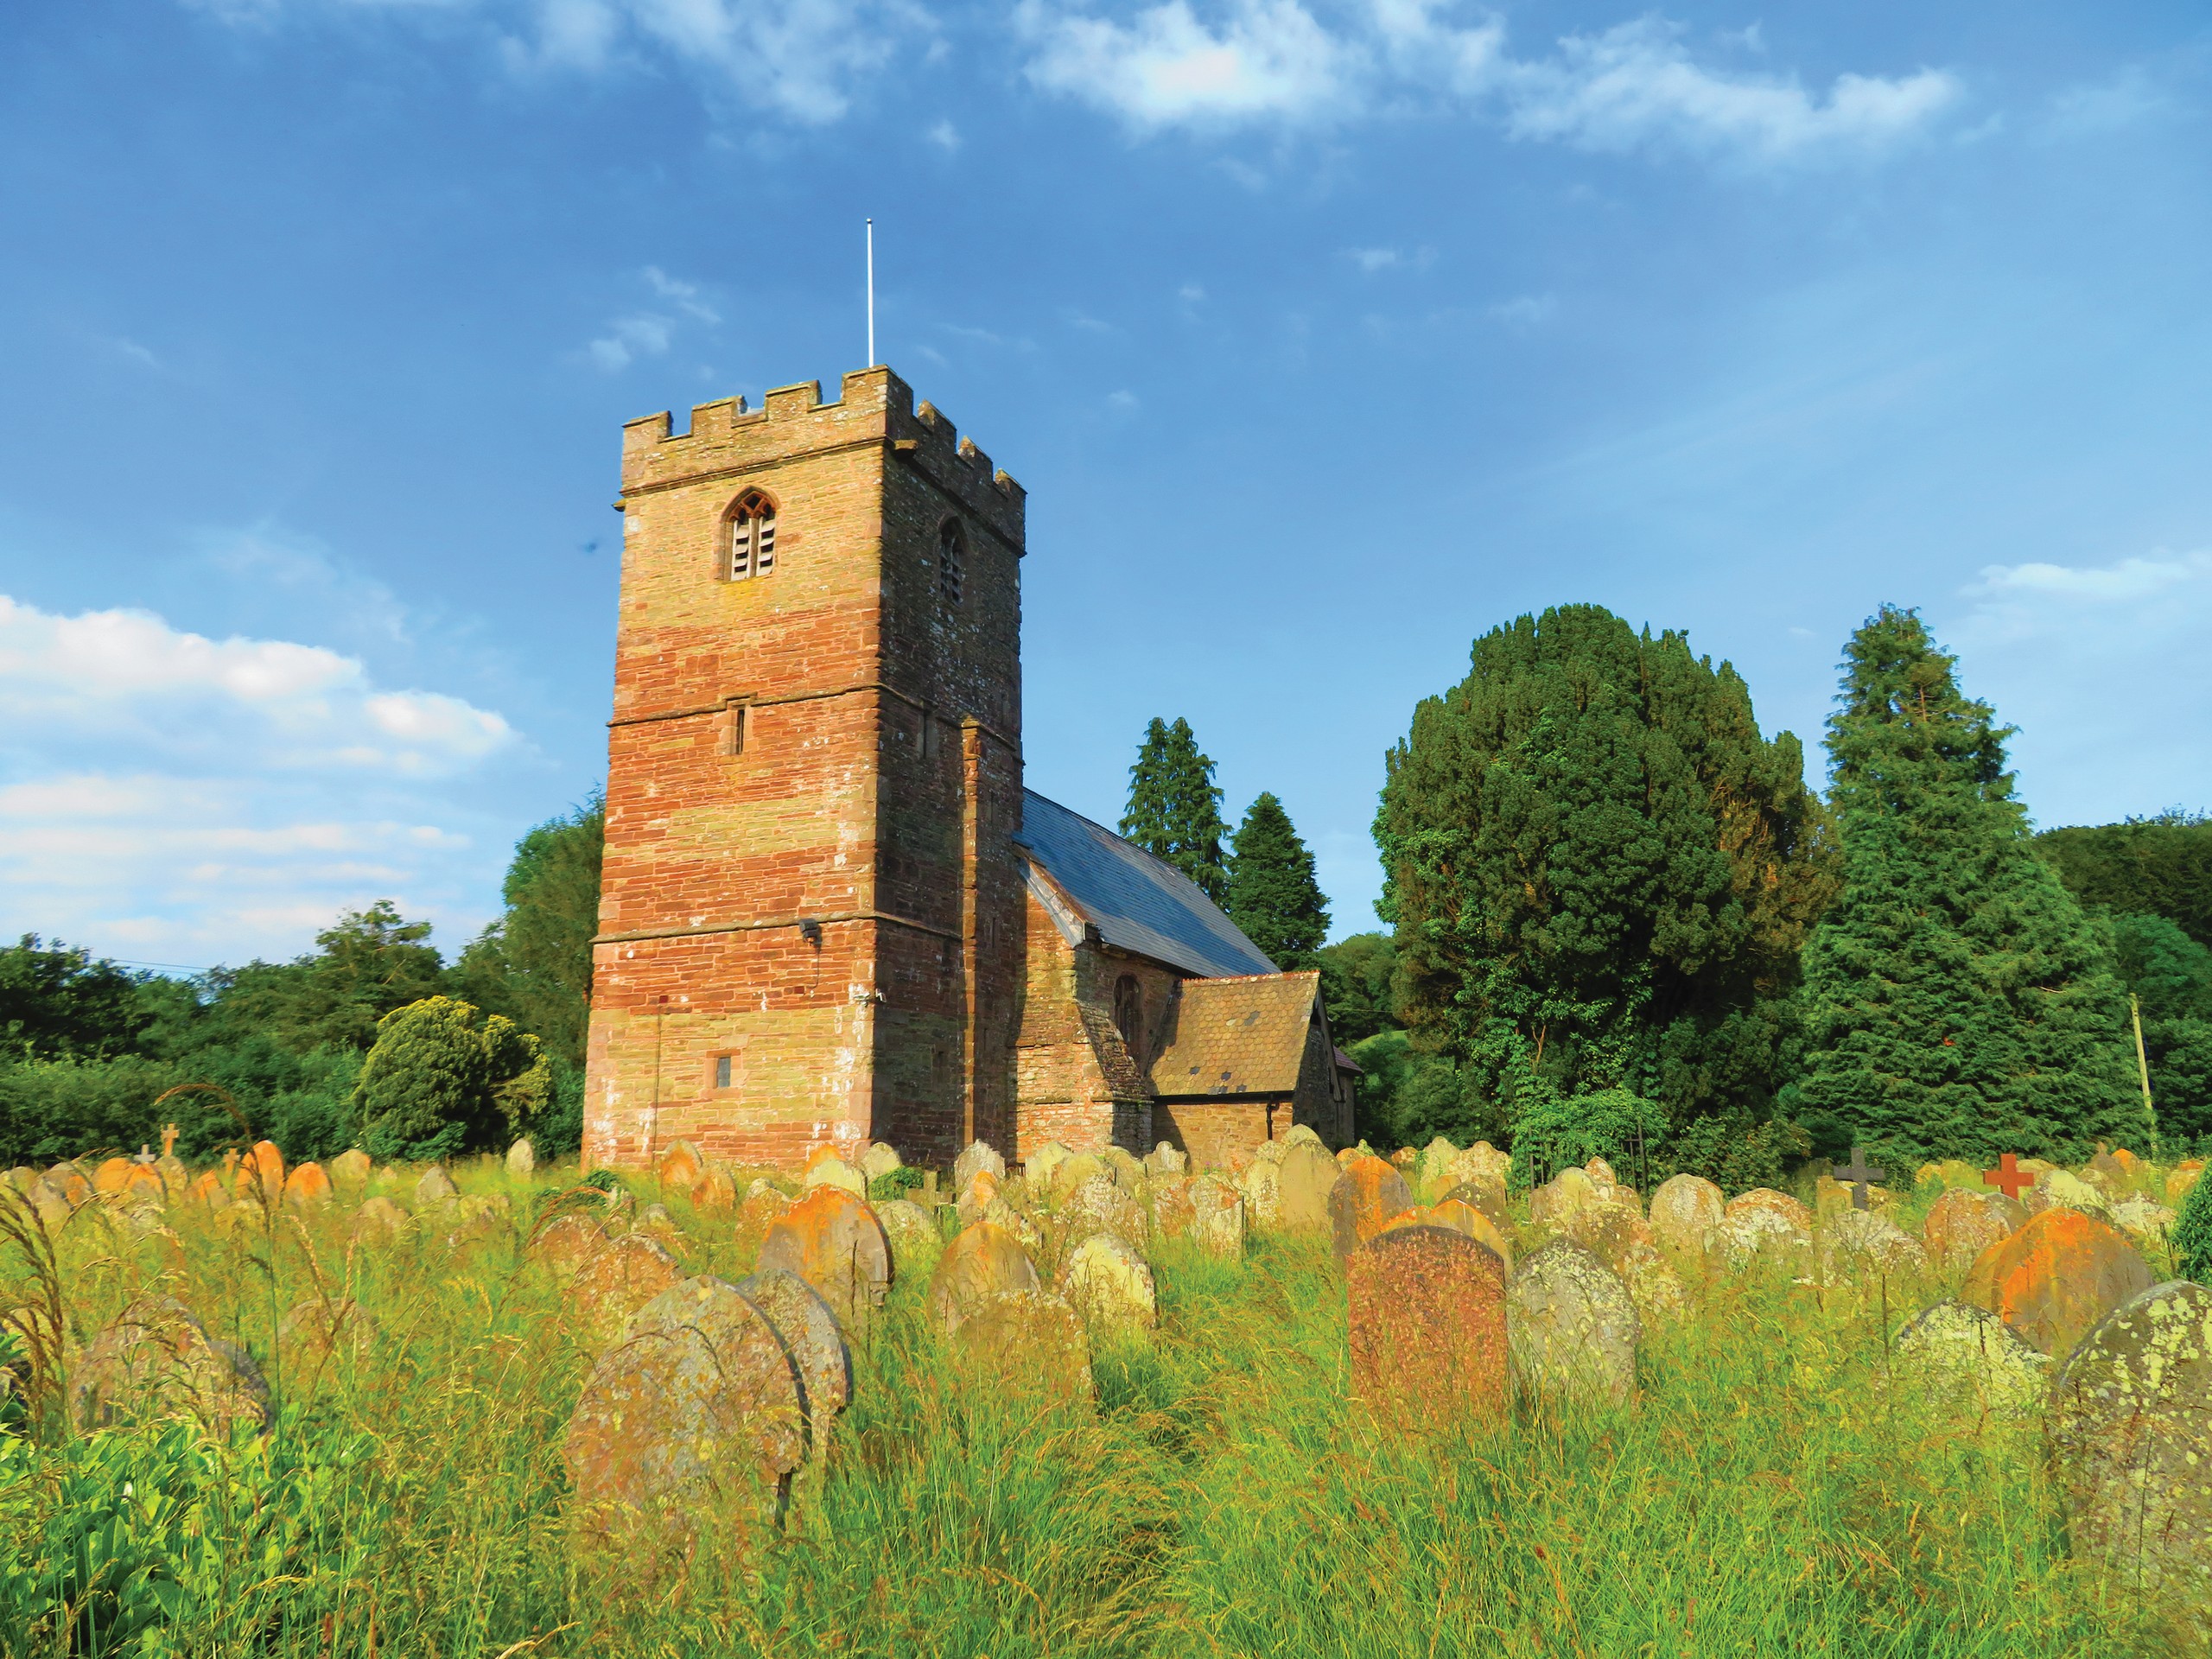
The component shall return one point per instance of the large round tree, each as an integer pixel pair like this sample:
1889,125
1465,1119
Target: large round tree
1601,875
1959,1003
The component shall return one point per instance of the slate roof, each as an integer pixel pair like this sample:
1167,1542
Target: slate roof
1137,902
1244,1036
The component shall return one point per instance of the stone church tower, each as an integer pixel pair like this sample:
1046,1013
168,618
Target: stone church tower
812,922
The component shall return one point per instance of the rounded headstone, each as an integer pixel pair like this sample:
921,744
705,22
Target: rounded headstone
522,1158
981,1261
815,1342
1965,1222
1686,1211
1262,1186
1027,1338
1070,1174
879,1160
1166,1162
1855,1243
714,1194
679,1166
379,1218
2145,1220
2131,1436
835,1173
2059,1188
979,1156
1553,1203
307,1187
1460,1218
611,1284
1426,1310
832,1239
1108,1282
564,1244
350,1169
914,1240
1100,1206
2056,1277
1966,1362
691,1424
1302,1134
1305,1179
434,1187
1573,1327
1368,1194
1217,1216
157,1362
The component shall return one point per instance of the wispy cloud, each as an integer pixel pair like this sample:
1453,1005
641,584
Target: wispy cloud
647,333
1523,310
1634,86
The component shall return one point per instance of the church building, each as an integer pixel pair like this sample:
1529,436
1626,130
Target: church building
830,912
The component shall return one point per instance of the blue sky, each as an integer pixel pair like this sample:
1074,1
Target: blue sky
1324,337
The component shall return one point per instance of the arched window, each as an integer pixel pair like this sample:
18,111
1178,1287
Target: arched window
951,560
749,547
1128,1009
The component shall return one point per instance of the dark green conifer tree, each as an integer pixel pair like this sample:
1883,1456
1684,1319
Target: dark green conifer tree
1271,893
1174,811
1958,1002
1601,874
533,964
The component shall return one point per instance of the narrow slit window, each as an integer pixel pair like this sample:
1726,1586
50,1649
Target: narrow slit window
721,1070
751,543
735,744
951,561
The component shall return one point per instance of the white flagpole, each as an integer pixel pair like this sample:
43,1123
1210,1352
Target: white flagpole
871,293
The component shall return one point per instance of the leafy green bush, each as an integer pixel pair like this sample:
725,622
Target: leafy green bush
2193,1233
1550,1132
443,1079
897,1184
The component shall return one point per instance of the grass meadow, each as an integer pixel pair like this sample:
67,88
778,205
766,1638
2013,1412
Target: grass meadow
1771,1493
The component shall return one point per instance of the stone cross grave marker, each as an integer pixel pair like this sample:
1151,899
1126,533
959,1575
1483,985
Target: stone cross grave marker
1858,1172
2008,1177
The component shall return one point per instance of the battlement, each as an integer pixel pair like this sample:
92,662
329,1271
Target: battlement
874,406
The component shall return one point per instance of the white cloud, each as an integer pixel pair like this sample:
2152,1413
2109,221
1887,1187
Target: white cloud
650,334
1631,87
2128,579
1267,58
945,137
1374,259
1523,310
165,793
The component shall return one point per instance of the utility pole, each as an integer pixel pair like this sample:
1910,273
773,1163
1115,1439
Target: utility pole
2142,1061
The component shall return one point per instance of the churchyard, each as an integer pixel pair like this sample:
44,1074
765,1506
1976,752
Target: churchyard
1312,1404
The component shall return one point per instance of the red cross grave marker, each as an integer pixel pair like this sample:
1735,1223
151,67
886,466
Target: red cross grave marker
2008,1176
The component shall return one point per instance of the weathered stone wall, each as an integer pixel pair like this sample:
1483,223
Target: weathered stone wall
1076,1080
813,778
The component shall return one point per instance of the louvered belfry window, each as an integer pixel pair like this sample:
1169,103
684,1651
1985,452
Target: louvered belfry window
951,561
752,537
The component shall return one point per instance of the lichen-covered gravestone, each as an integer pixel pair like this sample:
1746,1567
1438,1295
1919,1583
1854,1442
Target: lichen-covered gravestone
1369,1193
914,1240
610,1285
679,1166
880,1159
434,1187
2131,1436
689,1427
1100,1206
156,1361
1686,1211
522,1158
1217,1216
1306,1178
1426,1316
831,1239
1025,1340
1967,1364
983,1261
1571,1327
810,1332
2056,1277
978,1156
1108,1284
1965,1222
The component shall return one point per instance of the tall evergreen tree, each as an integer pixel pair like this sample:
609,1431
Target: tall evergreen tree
1600,875
1958,1002
1174,809
1271,893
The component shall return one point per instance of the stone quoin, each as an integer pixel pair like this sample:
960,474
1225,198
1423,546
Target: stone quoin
831,913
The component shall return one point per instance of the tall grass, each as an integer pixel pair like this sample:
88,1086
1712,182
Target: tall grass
1771,1493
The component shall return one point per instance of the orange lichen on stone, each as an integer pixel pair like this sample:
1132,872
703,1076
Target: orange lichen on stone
307,1186
833,1241
261,1172
113,1175
1371,1193
2056,1277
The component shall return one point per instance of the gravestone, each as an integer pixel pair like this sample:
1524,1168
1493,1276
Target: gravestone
689,1426
714,1194
307,1187
833,1241
2056,1277
1369,1192
655,1222
679,1166
765,1204
1653,1284
1108,1282
611,1284
379,1218
1461,1218
1552,1205
1262,1187
2012,1177
2109,1176
2131,1436
1964,1223
1166,1162
1431,1173
1302,1134
1100,1206
1171,1214
68,1182
983,1261
978,1156
1858,1173
2061,1189
1686,1211
913,1237
261,1173
563,1244
1426,1310
314,1332
834,1171
881,1159
156,1362
1217,1217
112,1175
1306,1179
1070,1172
815,1342
522,1158
1484,1192
1023,1340
1572,1328
2146,1220
435,1187
1127,1169
999,1213
350,1169
2183,1177
976,1196
1764,1228
1857,1243
1967,1364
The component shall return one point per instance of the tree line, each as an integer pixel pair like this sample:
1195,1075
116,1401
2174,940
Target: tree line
1619,922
